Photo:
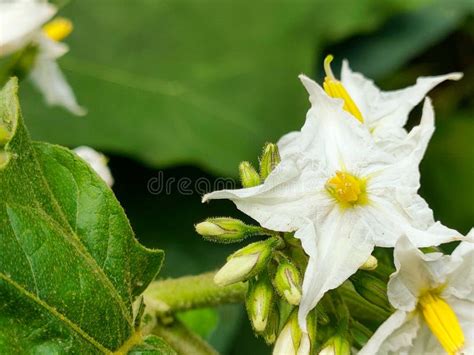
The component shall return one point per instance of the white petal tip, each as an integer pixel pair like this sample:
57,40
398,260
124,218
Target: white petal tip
456,76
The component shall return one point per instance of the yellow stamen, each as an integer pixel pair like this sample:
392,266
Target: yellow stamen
442,321
334,88
347,189
58,29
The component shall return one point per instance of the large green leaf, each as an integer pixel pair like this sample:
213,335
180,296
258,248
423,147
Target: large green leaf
70,267
202,82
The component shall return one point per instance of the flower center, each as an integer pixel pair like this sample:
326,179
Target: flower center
334,88
58,29
347,189
442,322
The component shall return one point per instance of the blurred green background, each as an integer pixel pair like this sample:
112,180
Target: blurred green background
191,88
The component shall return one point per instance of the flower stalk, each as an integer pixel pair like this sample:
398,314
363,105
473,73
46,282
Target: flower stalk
164,297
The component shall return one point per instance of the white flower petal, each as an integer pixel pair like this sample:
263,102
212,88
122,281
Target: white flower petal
97,161
49,48
461,272
396,208
336,249
385,110
424,343
391,214
416,272
20,22
333,137
288,144
396,333
284,202
415,143
48,78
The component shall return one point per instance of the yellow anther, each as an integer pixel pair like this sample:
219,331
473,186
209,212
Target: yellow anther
334,88
442,322
347,189
58,29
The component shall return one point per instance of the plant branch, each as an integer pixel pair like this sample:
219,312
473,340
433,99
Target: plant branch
189,292
182,339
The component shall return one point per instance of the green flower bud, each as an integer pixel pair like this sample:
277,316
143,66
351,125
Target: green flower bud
259,301
246,262
287,282
291,339
370,264
269,160
336,345
248,175
226,230
273,325
371,288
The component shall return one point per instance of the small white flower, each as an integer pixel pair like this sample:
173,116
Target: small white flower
97,161
342,195
434,300
22,22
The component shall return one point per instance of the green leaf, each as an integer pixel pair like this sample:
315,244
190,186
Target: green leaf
201,82
152,345
70,267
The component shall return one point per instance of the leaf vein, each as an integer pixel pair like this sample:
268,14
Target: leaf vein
61,317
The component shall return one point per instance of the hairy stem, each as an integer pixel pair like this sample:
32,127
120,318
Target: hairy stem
182,339
189,292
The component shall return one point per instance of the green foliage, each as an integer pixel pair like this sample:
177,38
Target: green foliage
206,83
152,345
70,267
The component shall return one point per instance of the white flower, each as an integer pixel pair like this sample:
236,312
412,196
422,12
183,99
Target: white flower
384,114
22,22
97,161
342,195
434,300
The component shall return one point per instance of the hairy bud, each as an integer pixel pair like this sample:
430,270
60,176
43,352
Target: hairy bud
259,301
246,262
269,160
271,331
287,282
291,339
248,175
226,230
